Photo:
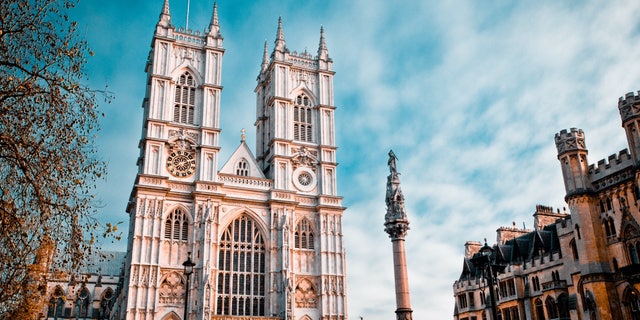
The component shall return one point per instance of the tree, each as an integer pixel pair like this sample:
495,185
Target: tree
48,164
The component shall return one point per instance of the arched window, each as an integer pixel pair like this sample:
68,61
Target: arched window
607,231
304,235
242,167
612,226
539,310
185,99
56,303
176,227
302,123
82,303
563,306
552,311
578,232
106,303
633,254
574,249
241,265
632,304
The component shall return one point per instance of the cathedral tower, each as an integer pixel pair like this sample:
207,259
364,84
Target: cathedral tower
265,233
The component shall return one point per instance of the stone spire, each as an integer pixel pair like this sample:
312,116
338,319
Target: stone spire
265,58
396,225
281,47
214,27
165,16
323,53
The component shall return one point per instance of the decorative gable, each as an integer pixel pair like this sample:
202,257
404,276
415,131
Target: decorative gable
242,163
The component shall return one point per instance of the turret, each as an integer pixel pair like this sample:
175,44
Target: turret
572,154
629,107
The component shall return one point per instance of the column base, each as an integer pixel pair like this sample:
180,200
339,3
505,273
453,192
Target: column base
404,314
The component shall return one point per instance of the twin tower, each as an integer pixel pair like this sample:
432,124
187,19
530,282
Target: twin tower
264,230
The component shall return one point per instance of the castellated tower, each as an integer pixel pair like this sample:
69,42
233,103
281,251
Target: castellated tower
572,154
265,233
629,108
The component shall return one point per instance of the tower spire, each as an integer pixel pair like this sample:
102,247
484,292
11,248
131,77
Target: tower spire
214,27
323,53
280,43
396,225
165,15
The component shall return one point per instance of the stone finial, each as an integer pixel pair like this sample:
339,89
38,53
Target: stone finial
165,16
243,134
214,26
280,42
265,58
323,53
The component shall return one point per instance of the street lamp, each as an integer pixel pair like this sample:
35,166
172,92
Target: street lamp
188,270
483,261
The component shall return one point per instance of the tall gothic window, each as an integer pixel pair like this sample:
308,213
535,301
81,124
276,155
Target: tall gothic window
241,265
304,235
56,303
185,99
176,227
242,168
82,303
302,128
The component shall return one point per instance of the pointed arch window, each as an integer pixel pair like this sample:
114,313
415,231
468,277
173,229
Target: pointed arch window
82,303
56,303
242,167
304,235
176,226
241,265
302,124
185,99
539,310
106,303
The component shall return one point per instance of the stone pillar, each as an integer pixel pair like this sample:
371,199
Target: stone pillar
396,225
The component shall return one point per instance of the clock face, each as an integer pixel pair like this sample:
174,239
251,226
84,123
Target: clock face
181,163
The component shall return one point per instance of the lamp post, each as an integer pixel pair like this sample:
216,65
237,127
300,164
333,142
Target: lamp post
188,270
483,261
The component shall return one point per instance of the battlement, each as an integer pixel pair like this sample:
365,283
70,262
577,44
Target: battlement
629,106
613,165
572,140
189,36
304,59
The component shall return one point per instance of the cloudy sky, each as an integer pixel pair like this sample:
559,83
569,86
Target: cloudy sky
468,94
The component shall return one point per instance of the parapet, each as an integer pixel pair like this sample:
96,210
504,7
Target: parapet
614,165
504,234
572,140
629,106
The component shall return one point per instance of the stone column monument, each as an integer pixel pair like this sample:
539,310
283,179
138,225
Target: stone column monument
396,225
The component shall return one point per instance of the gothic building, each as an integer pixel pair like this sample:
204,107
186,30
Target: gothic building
579,265
264,231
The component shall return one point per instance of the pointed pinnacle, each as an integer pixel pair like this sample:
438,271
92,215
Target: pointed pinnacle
265,56
280,44
214,27
165,8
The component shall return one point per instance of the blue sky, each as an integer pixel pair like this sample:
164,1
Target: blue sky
468,94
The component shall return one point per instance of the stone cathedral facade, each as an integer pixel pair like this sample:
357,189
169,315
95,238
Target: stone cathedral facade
264,231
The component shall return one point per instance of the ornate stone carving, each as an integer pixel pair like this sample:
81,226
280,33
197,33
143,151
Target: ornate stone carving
172,289
396,222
